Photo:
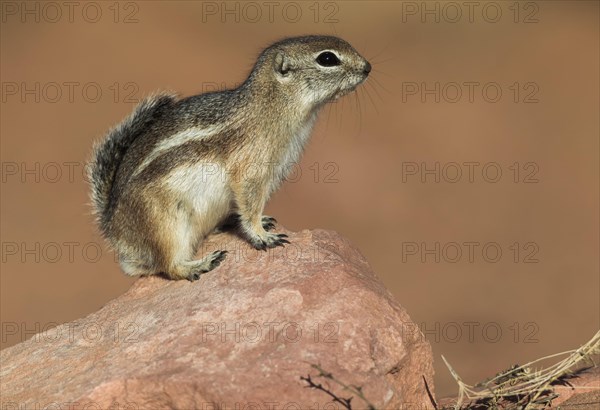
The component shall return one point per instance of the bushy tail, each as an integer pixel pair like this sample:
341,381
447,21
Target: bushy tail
108,153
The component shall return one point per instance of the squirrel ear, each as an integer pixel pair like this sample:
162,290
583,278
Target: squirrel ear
282,64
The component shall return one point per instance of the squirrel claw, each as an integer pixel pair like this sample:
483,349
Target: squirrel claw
268,223
271,241
206,265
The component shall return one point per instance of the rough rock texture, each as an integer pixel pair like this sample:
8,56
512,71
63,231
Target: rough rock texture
585,393
240,337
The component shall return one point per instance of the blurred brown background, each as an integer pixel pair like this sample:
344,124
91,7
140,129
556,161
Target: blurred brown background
70,72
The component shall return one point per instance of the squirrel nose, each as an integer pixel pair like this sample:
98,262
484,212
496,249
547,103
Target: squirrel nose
367,68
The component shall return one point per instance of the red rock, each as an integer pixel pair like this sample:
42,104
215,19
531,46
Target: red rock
242,335
584,393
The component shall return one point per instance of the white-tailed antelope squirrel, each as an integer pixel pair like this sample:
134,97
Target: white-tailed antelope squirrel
176,169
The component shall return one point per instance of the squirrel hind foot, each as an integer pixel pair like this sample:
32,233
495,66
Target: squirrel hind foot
192,270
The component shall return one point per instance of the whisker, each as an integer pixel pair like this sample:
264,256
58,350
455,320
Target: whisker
359,113
380,85
376,70
336,113
334,30
385,48
371,99
386,60
328,118
374,90
342,114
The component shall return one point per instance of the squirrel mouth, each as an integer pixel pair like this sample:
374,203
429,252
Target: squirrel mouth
343,91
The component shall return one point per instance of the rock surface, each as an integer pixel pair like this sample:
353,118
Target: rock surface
584,393
239,338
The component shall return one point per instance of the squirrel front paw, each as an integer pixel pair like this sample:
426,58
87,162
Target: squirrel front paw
269,240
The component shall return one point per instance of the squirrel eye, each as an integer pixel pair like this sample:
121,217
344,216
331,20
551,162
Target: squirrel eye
328,59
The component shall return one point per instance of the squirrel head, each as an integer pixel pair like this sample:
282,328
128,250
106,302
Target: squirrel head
311,70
